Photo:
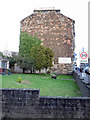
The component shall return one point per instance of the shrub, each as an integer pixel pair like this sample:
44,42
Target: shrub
54,76
3,74
48,72
19,80
9,73
43,73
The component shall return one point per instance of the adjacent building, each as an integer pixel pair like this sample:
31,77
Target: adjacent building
4,65
8,53
55,31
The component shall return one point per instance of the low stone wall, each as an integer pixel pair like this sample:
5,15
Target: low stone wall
84,87
26,103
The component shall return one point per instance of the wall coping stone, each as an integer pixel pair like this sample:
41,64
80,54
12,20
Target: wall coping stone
19,89
54,97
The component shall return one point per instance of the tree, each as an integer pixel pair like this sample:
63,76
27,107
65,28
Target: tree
26,43
43,57
32,54
26,63
12,61
37,53
1,54
40,58
49,54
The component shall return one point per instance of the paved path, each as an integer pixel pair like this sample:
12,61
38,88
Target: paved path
84,76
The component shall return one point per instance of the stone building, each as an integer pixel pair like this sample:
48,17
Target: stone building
57,32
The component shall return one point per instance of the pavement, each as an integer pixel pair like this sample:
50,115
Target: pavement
85,77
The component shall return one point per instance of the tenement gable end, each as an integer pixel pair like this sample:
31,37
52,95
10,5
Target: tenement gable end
55,31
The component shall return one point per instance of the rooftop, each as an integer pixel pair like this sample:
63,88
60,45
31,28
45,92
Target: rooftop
43,9
3,59
46,9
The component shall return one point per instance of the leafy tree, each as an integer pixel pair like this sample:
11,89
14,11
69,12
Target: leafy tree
37,53
26,43
49,54
43,57
40,58
26,63
32,55
1,54
12,61
33,52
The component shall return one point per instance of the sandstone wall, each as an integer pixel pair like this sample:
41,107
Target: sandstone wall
54,29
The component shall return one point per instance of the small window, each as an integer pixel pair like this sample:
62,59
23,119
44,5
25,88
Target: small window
3,64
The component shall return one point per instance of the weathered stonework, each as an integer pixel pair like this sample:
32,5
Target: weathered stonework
54,29
62,68
26,104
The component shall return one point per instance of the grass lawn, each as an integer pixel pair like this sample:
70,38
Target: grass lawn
64,85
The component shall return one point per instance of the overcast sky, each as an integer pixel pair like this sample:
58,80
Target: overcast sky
13,11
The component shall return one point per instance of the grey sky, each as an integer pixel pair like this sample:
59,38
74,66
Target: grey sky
13,11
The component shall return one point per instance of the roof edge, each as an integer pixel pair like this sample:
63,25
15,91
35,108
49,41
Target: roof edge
41,10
